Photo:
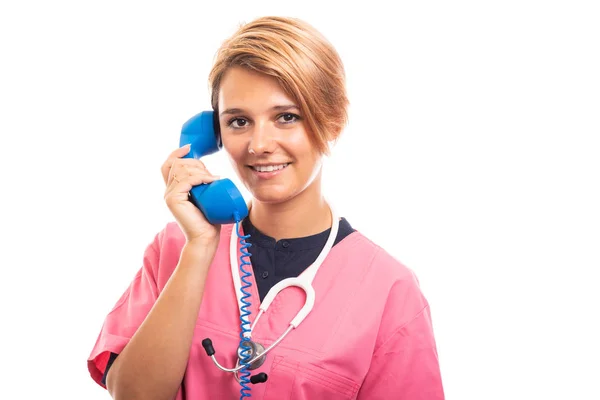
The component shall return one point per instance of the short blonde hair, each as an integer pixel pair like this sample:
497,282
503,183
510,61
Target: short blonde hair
306,65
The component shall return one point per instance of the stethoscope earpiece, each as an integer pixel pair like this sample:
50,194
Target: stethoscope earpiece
208,346
258,378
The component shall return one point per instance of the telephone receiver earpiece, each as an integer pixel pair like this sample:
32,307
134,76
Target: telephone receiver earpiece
220,201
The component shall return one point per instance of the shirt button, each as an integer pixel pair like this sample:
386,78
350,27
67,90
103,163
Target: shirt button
265,274
285,244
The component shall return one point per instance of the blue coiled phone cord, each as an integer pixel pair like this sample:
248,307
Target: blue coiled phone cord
245,353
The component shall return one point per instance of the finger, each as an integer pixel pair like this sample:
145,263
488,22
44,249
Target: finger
198,179
186,184
187,162
177,170
182,170
181,151
180,163
175,155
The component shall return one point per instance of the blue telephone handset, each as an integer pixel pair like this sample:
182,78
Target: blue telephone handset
220,201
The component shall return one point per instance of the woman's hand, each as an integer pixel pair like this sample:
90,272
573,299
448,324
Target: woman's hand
180,175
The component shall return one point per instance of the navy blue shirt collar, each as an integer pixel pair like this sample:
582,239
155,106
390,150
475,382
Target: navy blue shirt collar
257,238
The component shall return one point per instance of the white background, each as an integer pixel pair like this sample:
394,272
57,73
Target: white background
472,155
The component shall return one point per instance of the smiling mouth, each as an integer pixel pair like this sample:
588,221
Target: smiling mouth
269,168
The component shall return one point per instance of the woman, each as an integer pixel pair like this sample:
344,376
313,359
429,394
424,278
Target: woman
279,93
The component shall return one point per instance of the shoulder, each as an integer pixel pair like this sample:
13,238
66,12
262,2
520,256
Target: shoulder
164,251
391,287
377,260
170,240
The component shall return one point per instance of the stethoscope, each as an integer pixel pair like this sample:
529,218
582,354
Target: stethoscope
304,282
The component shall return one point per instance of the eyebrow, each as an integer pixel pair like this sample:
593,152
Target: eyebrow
275,108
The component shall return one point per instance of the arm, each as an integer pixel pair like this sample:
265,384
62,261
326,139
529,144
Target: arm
406,365
152,364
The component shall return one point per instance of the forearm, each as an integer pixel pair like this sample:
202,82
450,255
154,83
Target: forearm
153,363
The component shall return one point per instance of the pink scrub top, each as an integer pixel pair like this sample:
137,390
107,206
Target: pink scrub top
369,335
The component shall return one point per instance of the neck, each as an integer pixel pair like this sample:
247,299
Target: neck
306,214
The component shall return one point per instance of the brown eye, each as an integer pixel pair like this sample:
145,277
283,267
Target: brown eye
238,123
288,118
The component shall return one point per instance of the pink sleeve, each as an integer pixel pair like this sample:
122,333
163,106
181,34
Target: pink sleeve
406,365
127,314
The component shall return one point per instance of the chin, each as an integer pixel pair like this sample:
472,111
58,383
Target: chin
271,198
272,195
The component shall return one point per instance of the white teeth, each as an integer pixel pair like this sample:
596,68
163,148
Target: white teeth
269,168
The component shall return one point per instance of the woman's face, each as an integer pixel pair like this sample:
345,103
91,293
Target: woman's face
265,136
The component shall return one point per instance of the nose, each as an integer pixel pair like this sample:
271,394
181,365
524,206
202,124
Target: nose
261,140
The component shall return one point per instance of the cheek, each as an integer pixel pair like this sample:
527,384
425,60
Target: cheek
299,140
309,167
235,149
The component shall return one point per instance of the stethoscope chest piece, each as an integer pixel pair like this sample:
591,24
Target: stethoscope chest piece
252,350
